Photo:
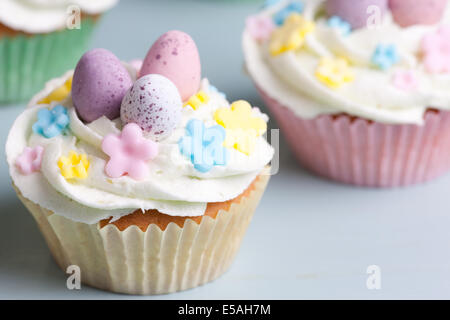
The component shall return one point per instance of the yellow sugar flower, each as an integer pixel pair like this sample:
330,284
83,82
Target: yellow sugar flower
241,126
58,94
197,100
334,72
74,166
291,35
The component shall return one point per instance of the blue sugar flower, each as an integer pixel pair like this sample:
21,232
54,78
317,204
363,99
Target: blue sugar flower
340,24
51,123
293,7
204,146
385,56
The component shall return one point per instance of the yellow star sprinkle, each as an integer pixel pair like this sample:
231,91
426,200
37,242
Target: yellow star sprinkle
197,100
334,72
291,35
242,127
74,166
58,94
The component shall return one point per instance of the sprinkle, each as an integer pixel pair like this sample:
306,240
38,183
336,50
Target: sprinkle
385,56
58,94
204,146
340,24
30,160
197,100
259,27
436,50
293,7
51,123
291,35
74,166
129,153
334,72
405,80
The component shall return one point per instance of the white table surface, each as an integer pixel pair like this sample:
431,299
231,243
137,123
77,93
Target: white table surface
309,239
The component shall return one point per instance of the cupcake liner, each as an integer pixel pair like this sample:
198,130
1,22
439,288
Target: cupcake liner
155,261
366,153
27,62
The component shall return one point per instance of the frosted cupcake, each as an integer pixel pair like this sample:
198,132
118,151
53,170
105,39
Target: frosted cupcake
41,39
359,88
147,184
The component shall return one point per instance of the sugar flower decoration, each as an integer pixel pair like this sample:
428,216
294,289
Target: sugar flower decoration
58,94
74,166
385,56
204,146
293,7
260,27
213,89
129,153
30,160
197,100
241,126
51,123
405,80
334,72
436,50
291,35
340,24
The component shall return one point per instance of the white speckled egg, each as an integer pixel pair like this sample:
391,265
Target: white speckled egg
154,103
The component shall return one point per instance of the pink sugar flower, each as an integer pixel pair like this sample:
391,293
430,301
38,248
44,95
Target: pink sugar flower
436,50
405,80
260,27
129,153
30,160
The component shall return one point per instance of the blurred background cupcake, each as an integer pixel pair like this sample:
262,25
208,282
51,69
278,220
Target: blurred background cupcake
360,89
41,39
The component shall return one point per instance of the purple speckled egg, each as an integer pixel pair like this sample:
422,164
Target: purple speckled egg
154,103
175,56
354,11
99,84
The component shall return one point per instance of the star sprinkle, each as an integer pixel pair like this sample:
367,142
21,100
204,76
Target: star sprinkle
436,50
75,166
334,72
385,56
58,94
340,24
51,123
30,160
241,126
405,80
197,100
129,153
293,7
259,27
291,35
204,146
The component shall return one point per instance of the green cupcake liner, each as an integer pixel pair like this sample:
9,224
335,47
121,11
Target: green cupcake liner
28,62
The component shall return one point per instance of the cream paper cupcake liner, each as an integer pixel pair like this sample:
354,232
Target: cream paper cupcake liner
154,261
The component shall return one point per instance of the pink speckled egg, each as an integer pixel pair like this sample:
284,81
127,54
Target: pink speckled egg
154,103
99,84
175,56
410,12
354,11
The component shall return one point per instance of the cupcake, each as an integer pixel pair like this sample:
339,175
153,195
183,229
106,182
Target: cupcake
40,39
359,88
147,184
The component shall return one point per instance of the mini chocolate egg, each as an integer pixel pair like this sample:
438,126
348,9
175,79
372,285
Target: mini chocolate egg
410,12
175,56
154,103
99,84
354,12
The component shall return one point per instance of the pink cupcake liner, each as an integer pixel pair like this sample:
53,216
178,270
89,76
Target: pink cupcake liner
366,153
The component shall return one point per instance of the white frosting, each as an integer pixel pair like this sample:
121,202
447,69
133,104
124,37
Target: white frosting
42,16
173,187
290,77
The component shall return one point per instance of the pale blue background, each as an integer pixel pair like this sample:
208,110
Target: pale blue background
310,238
